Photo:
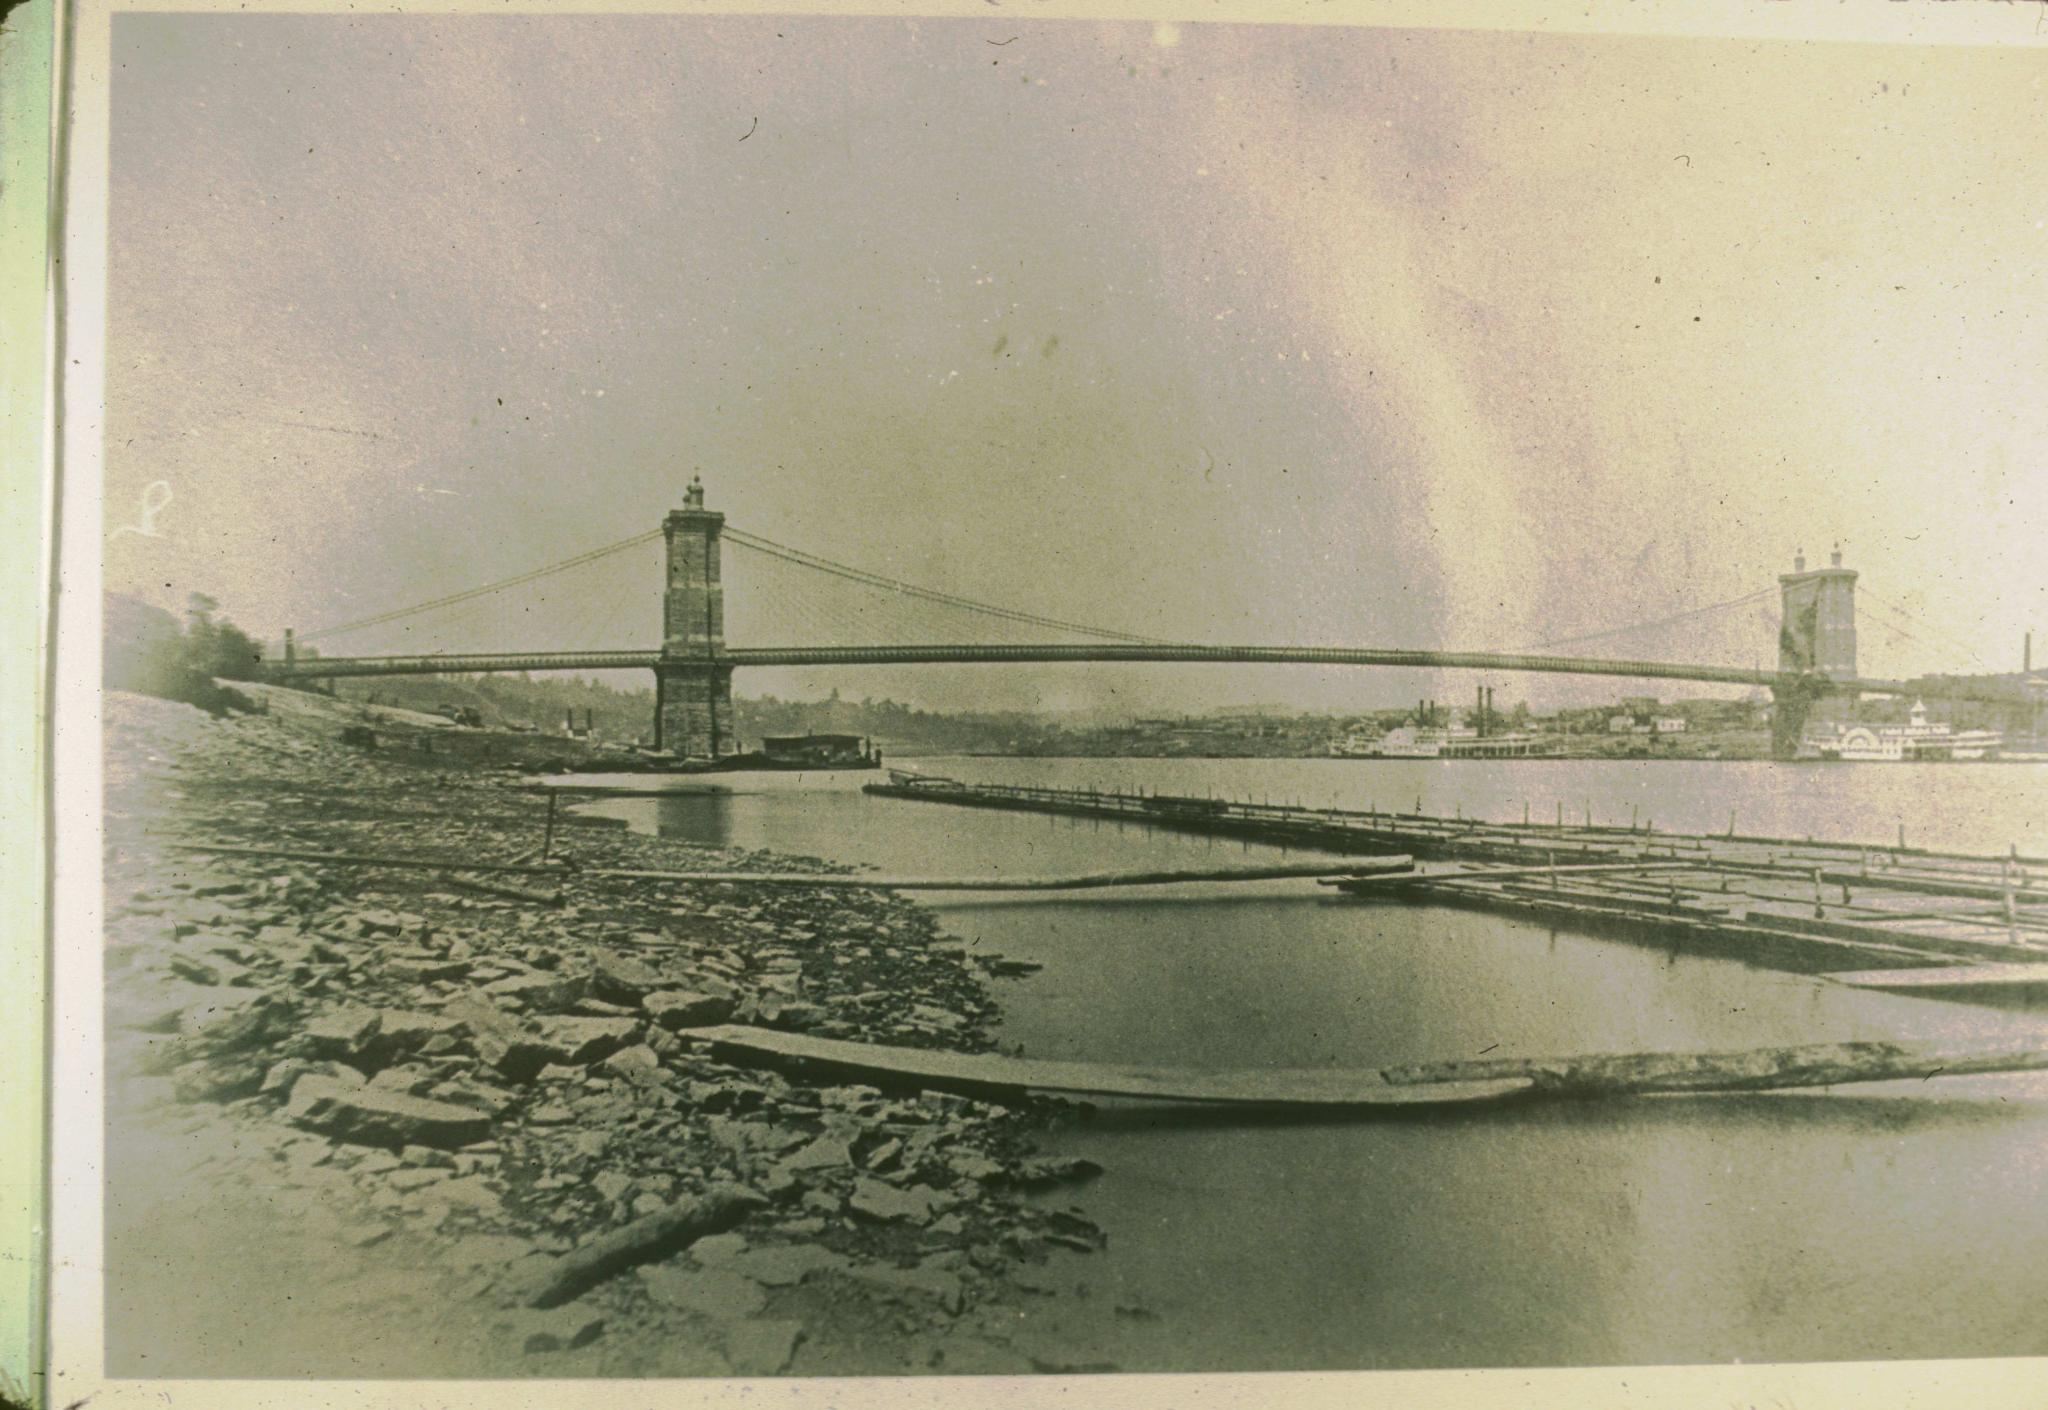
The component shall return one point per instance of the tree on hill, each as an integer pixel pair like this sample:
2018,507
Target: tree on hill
219,649
145,650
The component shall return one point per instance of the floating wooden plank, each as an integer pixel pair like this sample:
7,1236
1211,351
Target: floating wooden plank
1366,884
1752,1070
1088,881
996,1077
1944,977
2023,890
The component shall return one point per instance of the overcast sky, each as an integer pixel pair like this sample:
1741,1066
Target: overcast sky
1200,332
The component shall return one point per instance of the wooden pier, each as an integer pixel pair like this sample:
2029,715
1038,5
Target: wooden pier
1785,903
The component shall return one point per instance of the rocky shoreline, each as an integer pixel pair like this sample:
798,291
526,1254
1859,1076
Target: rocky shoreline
502,1094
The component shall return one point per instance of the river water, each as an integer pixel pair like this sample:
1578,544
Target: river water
1895,1220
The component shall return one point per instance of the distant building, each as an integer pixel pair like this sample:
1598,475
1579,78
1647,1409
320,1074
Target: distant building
1620,724
1669,724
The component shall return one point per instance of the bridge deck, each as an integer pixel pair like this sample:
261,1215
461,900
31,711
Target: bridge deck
335,667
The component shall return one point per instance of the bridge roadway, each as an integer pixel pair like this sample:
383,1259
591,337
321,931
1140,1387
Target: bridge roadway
332,667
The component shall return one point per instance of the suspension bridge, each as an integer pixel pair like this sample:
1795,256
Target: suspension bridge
693,664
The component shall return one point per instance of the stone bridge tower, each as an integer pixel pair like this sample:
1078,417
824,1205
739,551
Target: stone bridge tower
692,683
1816,644
1817,631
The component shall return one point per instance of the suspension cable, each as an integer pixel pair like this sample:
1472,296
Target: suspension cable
1946,638
576,562
1742,601
772,549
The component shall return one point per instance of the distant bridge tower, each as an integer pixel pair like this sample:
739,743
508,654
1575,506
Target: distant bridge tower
1817,632
692,683
1816,644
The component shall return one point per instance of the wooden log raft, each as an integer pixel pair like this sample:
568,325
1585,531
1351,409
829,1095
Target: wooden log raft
999,1078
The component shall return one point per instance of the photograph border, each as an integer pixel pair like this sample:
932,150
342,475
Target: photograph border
76,1340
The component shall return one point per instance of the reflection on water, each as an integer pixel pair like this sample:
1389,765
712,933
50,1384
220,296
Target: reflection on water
1901,1220
702,818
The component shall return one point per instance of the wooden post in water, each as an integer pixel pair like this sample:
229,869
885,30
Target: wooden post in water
1560,815
547,842
1819,905
1731,822
2006,868
1553,870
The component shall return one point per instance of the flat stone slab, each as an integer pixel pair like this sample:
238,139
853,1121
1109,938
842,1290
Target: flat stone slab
423,965
556,1329
774,1265
341,1032
640,1065
373,1117
762,1348
686,1008
584,1040
827,1152
886,1202
709,1292
539,992
408,1028
941,1284
623,979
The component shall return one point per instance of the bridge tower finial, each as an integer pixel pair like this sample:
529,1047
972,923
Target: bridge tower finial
1799,560
693,497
